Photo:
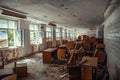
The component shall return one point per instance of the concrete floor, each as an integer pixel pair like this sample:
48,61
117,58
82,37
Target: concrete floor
39,71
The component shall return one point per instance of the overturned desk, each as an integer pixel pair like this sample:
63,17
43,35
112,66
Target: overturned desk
49,54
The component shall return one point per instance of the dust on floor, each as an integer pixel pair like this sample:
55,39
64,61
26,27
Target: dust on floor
39,71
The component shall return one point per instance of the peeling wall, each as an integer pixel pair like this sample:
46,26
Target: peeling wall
112,42
26,49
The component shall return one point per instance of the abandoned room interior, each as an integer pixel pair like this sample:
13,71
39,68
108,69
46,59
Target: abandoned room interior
59,39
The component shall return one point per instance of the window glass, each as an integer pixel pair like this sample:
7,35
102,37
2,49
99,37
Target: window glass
12,25
3,38
11,37
58,34
48,34
18,38
31,27
68,34
41,35
35,34
63,34
48,29
3,23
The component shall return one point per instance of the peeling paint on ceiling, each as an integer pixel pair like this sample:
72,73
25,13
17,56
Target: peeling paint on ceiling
75,13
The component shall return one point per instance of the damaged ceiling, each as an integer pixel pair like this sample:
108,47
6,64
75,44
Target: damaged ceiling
71,13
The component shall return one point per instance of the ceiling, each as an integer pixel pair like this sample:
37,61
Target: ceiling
71,13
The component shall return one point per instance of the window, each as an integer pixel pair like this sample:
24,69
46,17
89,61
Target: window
58,34
3,23
71,35
3,38
48,34
10,36
63,34
74,36
35,34
68,34
41,35
19,38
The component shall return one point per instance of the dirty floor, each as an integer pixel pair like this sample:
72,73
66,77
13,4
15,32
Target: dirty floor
39,71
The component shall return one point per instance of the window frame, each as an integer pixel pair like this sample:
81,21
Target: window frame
12,29
58,34
49,36
37,39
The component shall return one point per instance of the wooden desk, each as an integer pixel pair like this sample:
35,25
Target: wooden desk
89,65
47,54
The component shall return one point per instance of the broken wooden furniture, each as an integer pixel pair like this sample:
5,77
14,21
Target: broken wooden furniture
49,54
74,70
20,69
10,77
88,68
75,53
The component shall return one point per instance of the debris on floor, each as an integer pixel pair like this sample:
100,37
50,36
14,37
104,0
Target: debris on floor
39,71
